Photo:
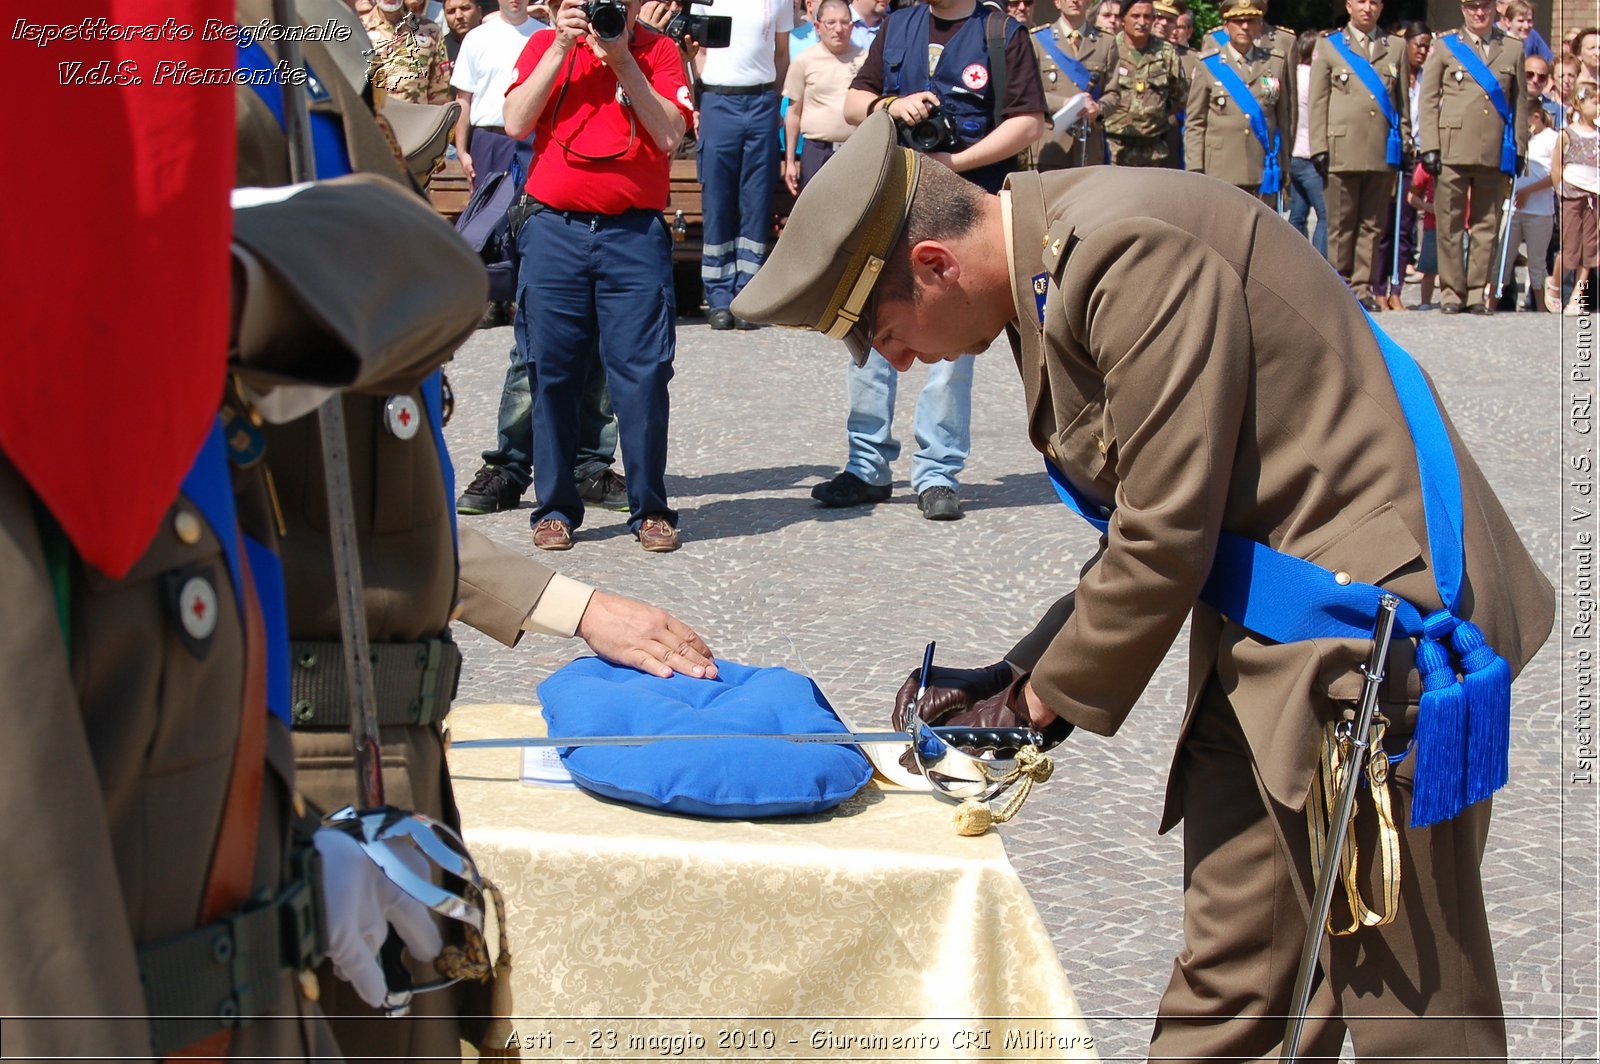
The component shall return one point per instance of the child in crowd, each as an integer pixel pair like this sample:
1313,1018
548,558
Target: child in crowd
1575,172
1421,199
1534,217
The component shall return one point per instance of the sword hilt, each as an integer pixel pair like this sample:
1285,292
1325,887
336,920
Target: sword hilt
996,739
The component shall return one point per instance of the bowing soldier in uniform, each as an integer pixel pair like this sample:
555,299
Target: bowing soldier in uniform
1074,58
1141,105
1359,128
1239,127
1473,137
422,570
1201,385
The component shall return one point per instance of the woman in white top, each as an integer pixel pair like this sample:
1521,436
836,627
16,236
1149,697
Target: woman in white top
1305,184
1535,216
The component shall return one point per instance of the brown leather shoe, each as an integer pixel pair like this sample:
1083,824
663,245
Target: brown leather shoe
657,535
552,533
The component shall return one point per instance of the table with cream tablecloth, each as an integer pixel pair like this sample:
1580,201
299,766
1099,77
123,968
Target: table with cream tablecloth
871,932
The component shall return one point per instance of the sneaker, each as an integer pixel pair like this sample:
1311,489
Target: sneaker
608,489
939,504
552,533
492,490
657,535
847,489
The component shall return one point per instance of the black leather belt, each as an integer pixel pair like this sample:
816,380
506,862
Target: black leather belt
737,90
491,129
414,682
230,971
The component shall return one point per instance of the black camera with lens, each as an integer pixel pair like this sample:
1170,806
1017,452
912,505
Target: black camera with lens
708,31
935,133
608,18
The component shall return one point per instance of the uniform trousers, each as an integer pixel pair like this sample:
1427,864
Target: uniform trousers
1420,988
738,167
1487,187
1357,205
614,289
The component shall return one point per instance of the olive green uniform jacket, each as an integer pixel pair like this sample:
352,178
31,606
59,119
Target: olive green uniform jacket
1217,139
1345,121
1097,52
121,736
1197,369
1142,102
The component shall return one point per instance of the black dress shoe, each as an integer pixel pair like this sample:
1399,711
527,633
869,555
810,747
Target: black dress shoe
1482,309
746,325
847,489
720,320
1450,308
1369,304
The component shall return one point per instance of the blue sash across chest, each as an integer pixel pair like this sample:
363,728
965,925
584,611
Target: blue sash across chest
1233,85
1464,723
1368,76
1071,67
1480,72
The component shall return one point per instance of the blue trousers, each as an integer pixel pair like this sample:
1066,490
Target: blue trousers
605,279
943,424
738,167
1305,196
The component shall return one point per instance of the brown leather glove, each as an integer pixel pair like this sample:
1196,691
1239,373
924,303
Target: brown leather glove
949,691
1007,708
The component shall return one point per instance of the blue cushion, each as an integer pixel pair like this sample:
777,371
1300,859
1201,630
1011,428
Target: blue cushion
730,778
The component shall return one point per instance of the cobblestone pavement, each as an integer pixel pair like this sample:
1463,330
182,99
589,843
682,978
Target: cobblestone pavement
851,597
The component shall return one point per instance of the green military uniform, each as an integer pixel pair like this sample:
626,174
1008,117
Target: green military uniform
1218,139
415,582
408,57
1142,102
1460,123
1170,370
1348,125
1097,52
131,725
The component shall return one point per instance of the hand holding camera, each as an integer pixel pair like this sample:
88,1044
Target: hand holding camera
603,24
924,127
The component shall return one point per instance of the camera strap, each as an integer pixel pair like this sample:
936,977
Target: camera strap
555,116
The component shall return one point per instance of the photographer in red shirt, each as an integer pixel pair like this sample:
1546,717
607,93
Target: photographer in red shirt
606,104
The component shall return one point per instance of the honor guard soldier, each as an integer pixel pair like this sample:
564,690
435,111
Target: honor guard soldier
1360,133
1147,92
407,55
1200,384
1274,39
1074,58
1239,128
1473,137
430,571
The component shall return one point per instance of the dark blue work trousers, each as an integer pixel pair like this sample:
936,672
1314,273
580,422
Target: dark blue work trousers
590,278
738,167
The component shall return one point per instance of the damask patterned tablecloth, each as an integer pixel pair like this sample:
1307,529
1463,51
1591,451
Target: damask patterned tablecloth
874,932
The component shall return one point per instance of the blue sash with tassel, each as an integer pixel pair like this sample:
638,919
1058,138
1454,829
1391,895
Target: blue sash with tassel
1369,77
1233,84
1463,735
1491,88
1071,67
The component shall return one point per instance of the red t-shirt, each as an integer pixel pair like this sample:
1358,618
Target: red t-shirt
589,152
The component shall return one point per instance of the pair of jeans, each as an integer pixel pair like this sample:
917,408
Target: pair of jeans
943,423
588,281
738,166
513,448
1305,196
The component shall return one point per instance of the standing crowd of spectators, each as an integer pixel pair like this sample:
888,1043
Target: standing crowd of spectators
1441,159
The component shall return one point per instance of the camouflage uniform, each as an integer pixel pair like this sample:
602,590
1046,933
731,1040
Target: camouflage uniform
1147,91
408,58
